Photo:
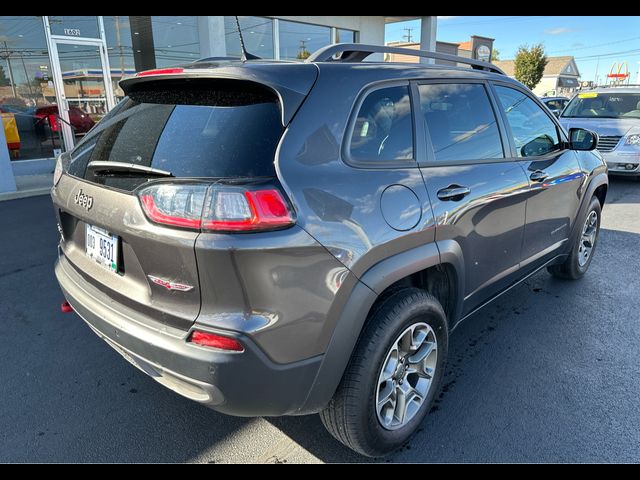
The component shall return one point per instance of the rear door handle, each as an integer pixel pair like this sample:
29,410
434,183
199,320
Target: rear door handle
454,193
539,176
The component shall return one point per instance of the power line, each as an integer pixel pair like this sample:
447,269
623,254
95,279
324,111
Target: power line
493,20
610,54
594,46
408,36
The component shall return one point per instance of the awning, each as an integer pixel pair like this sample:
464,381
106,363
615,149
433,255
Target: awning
567,82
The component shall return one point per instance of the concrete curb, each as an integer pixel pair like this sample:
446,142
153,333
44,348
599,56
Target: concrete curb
34,192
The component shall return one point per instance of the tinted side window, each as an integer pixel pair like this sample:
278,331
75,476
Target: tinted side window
533,131
460,121
383,129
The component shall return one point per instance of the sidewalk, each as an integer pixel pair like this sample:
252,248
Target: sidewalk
30,186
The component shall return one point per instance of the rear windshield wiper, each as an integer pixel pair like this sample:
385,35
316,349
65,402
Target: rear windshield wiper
126,168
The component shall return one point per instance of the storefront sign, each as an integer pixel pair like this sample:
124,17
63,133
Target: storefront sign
483,53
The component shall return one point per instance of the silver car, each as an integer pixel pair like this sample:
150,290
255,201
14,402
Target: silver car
614,114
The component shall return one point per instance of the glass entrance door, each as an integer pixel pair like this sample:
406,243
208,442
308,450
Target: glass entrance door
85,92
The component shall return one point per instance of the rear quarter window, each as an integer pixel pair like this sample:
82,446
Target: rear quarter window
383,128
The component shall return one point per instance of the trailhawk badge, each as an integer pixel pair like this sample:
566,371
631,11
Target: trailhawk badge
180,287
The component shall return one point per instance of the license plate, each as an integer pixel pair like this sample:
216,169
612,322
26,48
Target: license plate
102,247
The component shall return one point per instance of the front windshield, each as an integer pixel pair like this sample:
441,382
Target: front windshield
604,105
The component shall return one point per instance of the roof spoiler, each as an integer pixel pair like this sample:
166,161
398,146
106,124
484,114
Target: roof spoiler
291,86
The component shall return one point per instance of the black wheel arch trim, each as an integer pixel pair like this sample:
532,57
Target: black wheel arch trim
353,317
597,181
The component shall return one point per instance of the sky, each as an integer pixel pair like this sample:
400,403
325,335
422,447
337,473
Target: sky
595,42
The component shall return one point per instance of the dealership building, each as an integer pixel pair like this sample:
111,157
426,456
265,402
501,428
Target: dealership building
59,74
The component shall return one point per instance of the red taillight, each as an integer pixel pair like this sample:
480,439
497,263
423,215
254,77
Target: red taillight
158,216
247,211
65,307
216,341
215,208
160,71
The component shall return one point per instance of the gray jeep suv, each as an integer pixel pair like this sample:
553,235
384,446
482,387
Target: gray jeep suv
274,238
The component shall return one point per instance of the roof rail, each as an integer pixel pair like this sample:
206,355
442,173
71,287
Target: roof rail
215,59
357,52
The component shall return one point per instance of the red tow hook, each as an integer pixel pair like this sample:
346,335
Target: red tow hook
66,308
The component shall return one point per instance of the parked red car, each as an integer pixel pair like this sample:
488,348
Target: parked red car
80,120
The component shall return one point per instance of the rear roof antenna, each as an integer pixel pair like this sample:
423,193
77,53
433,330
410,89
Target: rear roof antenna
245,55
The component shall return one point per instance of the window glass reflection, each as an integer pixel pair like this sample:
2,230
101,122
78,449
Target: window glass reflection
175,39
299,40
26,88
460,121
84,89
257,33
346,36
534,133
74,26
136,43
120,50
383,130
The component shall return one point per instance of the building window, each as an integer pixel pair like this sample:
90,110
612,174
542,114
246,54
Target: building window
136,43
299,40
257,33
74,26
26,88
175,39
120,50
346,36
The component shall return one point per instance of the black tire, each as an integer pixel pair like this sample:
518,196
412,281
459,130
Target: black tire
571,269
351,416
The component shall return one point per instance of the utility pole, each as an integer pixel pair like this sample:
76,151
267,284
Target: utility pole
7,55
119,46
408,36
303,53
26,76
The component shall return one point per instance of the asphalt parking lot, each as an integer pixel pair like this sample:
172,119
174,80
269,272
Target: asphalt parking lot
549,372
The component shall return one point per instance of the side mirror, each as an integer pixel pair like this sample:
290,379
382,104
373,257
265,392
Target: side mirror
581,139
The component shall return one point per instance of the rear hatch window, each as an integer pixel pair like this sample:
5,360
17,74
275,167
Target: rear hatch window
191,128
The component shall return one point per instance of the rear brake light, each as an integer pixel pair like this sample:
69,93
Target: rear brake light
212,340
160,71
215,208
245,211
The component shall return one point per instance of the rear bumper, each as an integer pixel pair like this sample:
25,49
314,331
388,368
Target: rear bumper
243,384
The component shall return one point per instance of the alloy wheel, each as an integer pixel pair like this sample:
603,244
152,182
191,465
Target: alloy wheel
588,238
406,376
